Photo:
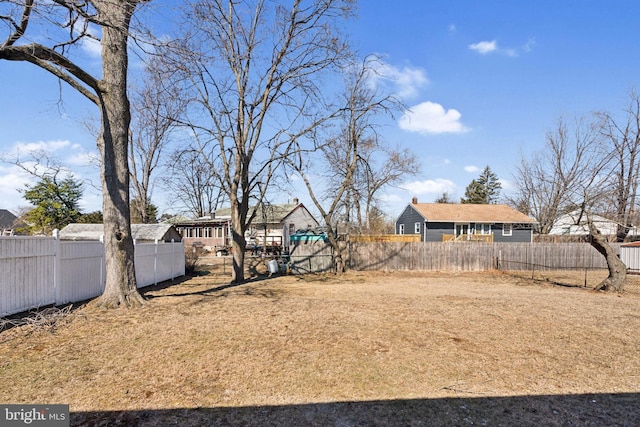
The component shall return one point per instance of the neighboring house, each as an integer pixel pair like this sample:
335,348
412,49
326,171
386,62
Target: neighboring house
441,222
574,224
7,222
272,226
141,233
212,233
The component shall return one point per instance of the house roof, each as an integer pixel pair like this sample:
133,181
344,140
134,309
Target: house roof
574,223
465,212
273,213
138,231
7,219
202,222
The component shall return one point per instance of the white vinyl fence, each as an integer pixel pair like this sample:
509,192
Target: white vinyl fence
40,271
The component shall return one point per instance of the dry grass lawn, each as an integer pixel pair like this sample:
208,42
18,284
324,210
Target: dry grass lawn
388,349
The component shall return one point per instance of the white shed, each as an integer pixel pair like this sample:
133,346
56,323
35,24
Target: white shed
630,255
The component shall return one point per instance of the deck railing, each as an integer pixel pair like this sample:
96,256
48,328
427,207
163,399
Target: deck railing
484,238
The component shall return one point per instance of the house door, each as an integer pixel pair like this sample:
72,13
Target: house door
462,229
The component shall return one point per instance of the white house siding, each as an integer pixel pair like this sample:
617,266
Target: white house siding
567,225
630,255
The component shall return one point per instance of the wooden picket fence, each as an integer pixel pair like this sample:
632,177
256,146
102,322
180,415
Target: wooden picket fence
472,256
458,256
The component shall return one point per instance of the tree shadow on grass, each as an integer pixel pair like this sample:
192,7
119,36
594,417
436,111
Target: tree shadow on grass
559,410
217,290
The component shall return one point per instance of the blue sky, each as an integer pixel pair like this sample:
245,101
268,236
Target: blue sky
485,81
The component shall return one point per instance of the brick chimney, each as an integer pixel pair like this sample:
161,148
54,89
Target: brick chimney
414,201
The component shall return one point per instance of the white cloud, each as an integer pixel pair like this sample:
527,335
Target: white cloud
85,158
451,28
40,146
484,47
13,179
506,185
92,47
431,118
487,47
430,186
528,46
405,82
471,168
90,43
40,157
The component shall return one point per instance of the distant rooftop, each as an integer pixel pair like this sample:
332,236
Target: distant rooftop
141,232
467,212
7,219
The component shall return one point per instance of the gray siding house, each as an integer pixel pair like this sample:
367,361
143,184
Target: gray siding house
272,226
443,222
7,222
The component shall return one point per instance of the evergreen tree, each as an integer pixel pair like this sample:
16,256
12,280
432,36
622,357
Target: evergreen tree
484,190
150,212
56,204
94,217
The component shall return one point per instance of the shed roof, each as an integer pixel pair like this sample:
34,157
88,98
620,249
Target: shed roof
150,232
465,212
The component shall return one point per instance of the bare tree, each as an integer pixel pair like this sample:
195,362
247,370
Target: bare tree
579,166
76,22
547,180
254,71
379,167
342,153
155,108
192,182
623,137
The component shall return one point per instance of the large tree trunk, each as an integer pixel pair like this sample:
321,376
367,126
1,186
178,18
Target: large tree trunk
617,269
239,244
121,287
332,235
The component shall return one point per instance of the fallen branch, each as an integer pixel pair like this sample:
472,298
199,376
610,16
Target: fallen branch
47,318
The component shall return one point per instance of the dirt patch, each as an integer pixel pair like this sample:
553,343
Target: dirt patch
361,349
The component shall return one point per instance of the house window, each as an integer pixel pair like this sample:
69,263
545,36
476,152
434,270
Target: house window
483,228
462,229
292,228
400,228
417,228
507,229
